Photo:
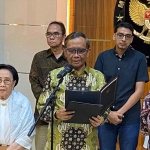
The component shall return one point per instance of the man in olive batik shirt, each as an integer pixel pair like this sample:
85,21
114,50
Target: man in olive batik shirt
73,136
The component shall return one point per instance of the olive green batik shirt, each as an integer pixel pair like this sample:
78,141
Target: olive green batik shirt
71,136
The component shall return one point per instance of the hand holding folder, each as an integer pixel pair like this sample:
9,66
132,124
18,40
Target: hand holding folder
83,111
90,103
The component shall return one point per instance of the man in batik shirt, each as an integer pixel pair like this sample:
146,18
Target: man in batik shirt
72,136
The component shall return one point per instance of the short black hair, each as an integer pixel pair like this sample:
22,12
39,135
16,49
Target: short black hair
12,70
74,35
124,25
62,26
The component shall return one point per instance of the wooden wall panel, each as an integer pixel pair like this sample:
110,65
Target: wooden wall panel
96,48
95,19
147,86
70,21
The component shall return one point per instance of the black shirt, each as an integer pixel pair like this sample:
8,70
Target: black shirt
131,68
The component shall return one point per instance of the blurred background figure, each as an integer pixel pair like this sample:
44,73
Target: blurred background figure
145,120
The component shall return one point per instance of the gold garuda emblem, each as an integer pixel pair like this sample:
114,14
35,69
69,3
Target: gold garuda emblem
140,15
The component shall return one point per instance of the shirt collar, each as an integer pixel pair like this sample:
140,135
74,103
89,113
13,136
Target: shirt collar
125,53
85,71
50,54
4,102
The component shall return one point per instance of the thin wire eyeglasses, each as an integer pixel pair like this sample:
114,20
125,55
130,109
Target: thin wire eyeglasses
5,81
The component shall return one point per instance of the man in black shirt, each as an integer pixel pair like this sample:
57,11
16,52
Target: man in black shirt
131,68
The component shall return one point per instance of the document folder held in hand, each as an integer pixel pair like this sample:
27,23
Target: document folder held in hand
90,103
91,97
108,94
83,111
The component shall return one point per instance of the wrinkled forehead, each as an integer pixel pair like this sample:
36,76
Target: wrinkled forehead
76,42
54,28
4,73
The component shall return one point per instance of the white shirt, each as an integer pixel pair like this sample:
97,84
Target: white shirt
5,126
17,123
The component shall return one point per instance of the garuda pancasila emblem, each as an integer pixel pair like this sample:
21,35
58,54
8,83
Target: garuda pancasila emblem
140,15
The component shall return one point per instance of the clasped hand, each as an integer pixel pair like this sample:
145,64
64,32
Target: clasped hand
62,114
115,117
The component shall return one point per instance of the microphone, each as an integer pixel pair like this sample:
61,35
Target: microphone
68,68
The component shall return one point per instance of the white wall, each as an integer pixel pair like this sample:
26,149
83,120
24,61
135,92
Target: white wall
19,43
61,11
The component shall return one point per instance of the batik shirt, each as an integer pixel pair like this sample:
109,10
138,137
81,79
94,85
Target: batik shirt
145,117
71,136
43,62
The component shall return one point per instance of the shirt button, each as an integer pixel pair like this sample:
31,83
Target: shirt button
118,68
119,59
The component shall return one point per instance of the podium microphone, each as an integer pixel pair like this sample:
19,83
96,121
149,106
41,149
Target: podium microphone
68,68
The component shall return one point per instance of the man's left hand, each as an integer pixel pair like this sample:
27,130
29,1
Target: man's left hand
96,121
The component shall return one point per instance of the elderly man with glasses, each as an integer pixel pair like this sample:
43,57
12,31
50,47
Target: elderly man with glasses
73,136
43,62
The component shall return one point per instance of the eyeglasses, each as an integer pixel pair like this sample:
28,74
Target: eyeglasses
54,34
121,36
80,51
5,81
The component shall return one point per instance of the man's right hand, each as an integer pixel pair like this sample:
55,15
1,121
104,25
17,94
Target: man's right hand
62,114
115,118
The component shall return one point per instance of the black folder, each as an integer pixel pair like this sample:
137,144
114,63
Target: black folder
90,103
83,111
91,97
108,94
